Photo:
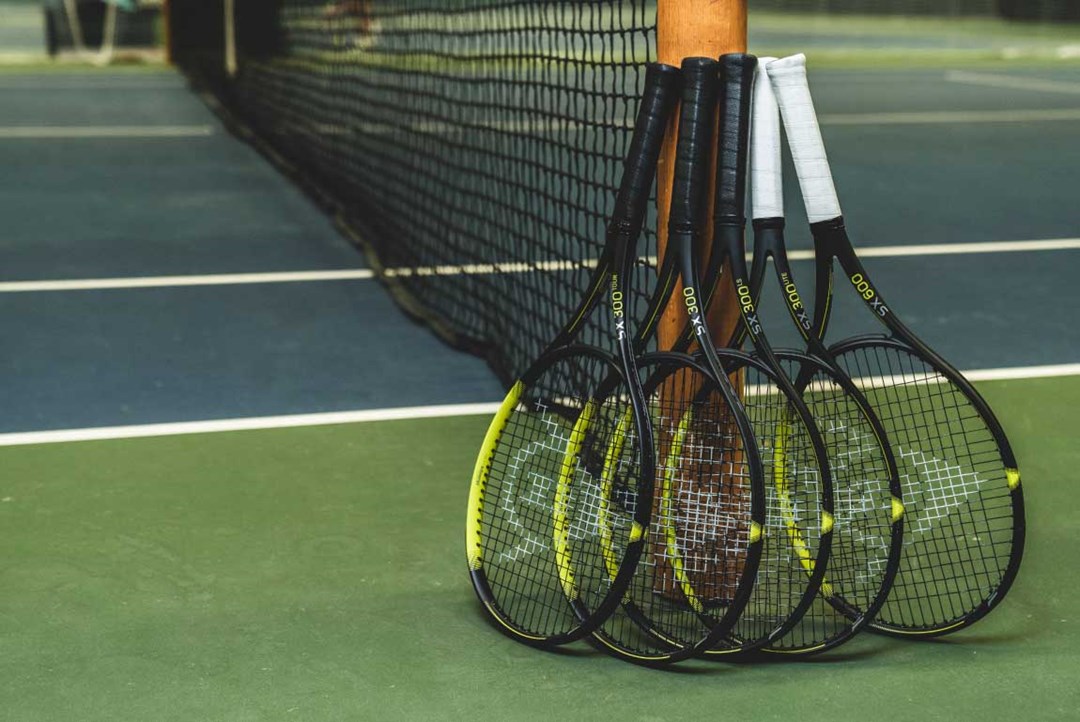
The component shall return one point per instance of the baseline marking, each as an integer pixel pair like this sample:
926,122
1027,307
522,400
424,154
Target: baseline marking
220,279
245,424
996,80
394,414
217,279
950,116
105,131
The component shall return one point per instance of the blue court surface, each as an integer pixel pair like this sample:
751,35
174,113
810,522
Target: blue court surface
127,179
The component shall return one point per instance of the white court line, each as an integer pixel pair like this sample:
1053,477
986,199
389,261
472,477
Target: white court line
106,131
1053,244
1003,374
218,279
246,424
1023,372
361,129
952,116
395,414
34,83
480,269
994,80
947,249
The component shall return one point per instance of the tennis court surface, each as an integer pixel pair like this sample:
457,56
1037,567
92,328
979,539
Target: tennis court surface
236,464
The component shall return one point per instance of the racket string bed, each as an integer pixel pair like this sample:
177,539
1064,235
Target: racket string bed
958,534
707,499
793,516
526,472
698,540
858,568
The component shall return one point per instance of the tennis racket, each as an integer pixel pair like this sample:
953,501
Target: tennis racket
532,536
799,493
868,532
703,545
704,489
964,518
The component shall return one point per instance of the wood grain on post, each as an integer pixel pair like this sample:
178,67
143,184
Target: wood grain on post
696,28
686,29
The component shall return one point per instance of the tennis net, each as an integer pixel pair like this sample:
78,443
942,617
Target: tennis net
472,147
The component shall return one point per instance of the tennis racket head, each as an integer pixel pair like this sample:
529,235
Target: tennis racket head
965,527
963,502
536,502
868,524
532,503
797,534
703,543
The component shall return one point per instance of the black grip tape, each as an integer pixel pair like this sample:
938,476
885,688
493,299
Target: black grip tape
737,85
657,103
697,118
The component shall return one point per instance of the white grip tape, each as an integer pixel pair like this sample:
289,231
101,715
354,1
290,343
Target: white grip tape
766,175
788,76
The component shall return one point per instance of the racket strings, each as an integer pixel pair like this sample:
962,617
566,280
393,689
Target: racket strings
543,498
793,505
958,510
704,497
859,561
698,539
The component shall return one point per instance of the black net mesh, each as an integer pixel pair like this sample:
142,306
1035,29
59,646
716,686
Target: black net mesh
473,147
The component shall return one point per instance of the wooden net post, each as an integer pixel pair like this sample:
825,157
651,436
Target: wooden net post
685,29
694,28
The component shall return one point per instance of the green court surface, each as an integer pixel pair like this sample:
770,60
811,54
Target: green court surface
318,574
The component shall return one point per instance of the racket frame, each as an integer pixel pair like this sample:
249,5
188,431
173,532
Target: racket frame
832,245
658,103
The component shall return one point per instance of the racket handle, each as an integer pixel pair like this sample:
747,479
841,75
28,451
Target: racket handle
788,76
737,74
766,174
657,102
696,119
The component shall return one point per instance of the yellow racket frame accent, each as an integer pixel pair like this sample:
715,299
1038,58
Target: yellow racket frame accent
614,452
473,534
787,510
559,522
670,538
897,510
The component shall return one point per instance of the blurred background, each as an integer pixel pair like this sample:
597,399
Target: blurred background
75,30
953,28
